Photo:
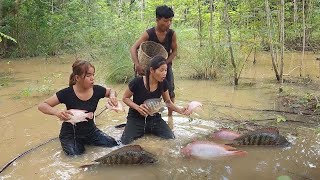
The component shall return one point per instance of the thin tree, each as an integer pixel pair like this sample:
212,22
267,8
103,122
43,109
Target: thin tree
227,23
273,58
304,39
295,16
281,40
200,23
211,24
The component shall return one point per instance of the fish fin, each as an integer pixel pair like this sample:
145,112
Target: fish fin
228,148
89,165
268,130
240,153
134,148
162,109
89,115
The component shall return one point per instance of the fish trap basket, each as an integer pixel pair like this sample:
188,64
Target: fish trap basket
148,50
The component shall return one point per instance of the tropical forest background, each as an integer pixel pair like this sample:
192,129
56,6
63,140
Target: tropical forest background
215,37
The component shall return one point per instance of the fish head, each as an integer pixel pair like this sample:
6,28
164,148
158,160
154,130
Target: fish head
283,141
148,158
187,150
193,105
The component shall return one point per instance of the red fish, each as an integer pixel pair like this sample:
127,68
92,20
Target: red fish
79,116
193,105
225,134
210,150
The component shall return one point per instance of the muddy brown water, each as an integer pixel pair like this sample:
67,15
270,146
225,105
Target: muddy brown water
23,127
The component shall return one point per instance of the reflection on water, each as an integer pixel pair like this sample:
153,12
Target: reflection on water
22,127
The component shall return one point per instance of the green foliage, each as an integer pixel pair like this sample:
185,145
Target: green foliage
110,27
280,119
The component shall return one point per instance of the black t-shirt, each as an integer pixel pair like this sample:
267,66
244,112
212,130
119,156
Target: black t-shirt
167,40
140,93
68,97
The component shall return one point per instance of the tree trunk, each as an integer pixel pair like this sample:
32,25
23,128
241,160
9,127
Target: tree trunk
142,9
227,21
274,64
304,39
254,37
211,25
281,40
295,16
200,23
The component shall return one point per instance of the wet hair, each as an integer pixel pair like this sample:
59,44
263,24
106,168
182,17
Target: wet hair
80,68
164,12
155,63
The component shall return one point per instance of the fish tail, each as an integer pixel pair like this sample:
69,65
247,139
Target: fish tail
89,115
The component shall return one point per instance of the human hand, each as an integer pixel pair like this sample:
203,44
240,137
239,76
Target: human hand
185,111
112,102
139,69
63,115
117,108
143,110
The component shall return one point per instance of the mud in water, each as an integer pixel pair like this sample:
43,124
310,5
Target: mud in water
255,103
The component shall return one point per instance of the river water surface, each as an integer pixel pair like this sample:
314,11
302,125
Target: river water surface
23,127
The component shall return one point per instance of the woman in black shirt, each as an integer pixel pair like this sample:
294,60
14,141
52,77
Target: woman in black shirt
152,85
81,94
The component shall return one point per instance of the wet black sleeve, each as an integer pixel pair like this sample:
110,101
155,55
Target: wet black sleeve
100,90
63,94
133,85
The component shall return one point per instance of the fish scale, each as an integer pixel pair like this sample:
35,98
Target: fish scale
154,105
261,137
131,154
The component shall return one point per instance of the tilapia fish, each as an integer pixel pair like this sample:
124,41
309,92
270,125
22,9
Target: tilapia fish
79,116
131,154
261,137
154,105
193,105
210,150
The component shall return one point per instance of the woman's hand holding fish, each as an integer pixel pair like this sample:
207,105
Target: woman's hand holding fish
117,108
63,115
112,101
185,111
143,110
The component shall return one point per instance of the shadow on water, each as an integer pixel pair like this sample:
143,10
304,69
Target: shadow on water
22,127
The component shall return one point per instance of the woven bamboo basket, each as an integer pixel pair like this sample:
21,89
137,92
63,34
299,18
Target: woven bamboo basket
148,50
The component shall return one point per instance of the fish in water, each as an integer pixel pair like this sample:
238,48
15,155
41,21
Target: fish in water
261,137
154,105
131,154
193,105
79,116
210,150
225,134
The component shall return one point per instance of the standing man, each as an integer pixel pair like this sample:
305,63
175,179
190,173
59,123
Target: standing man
161,34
